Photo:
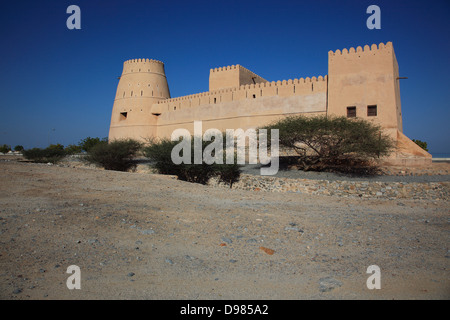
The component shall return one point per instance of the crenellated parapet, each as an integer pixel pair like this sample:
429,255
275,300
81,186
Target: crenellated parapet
142,61
143,65
285,88
361,52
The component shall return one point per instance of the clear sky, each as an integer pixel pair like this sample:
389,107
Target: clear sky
58,85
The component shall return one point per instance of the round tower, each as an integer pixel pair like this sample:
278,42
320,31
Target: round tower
142,83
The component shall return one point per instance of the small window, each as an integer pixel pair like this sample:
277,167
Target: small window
254,96
372,111
131,93
123,115
174,108
142,92
351,112
215,100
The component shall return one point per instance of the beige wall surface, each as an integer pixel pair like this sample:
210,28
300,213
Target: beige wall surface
142,83
243,114
362,77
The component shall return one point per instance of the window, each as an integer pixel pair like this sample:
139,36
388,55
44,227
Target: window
215,100
254,96
351,112
372,111
123,115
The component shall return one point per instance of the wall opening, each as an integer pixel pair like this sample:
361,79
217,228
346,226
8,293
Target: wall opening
215,100
351,112
254,96
372,111
123,116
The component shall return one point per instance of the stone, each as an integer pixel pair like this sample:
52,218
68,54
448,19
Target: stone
293,229
148,231
227,240
267,250
328,284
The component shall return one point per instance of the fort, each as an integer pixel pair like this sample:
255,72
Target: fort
361,82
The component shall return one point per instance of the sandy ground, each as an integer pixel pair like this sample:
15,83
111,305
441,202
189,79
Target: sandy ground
147,236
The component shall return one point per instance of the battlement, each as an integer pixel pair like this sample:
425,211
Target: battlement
143,65
232,76
237,66
143,61
373,49
232,67
284,88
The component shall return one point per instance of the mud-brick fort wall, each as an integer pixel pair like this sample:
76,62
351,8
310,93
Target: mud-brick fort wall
361,82
245,106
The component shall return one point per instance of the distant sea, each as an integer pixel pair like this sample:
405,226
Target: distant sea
440,155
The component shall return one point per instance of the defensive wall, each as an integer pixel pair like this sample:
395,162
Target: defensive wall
361,82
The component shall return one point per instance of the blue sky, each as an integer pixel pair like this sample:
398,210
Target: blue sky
61,79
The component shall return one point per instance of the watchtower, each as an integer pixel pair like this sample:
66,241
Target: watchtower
142,83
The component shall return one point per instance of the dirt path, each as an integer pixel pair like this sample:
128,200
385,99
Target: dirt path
145,236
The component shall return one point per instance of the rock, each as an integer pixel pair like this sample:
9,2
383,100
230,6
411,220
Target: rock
267,250
169,261
227,240
148,231
328,284
131,274
293,229
17,291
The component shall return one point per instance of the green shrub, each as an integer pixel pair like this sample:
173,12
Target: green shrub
333,143
72,149
18,148
5,148
160,153
421,144
88,143
117,155
52,154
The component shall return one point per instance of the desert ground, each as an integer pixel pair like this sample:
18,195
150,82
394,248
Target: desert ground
148,236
